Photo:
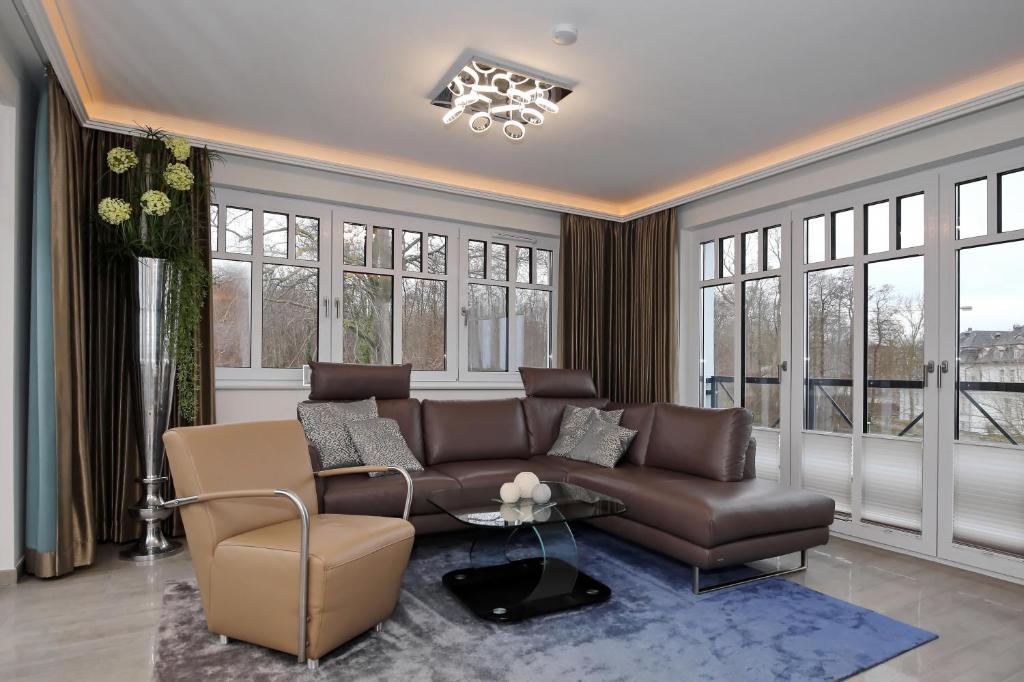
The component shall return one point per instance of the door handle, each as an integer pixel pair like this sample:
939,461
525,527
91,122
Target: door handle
927,369
337,307
943,369
784,366
327,307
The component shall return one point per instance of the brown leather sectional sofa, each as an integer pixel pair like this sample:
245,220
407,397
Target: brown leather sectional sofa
687,480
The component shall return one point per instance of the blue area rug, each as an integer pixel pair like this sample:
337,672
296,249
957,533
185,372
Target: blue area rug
653,628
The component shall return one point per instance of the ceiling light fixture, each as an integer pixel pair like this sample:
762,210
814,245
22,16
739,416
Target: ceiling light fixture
486,90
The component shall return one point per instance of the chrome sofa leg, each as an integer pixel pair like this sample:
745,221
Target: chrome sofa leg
743,581
379,626
312,663
223,639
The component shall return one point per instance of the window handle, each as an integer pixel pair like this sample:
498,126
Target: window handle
927,369
327,307
943,369
337,307
784,366
465,316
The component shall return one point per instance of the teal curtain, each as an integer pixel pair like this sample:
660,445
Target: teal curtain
41,466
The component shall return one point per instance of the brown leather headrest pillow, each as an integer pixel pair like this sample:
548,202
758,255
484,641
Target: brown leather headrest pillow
557,383
336,381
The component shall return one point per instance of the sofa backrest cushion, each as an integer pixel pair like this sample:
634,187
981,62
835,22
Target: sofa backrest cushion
459,430
701,442
408,414
336,381
541,382
638,417
544,416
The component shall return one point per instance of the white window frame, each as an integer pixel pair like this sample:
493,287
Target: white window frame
224,197
398,224
512,239
694,291
331,271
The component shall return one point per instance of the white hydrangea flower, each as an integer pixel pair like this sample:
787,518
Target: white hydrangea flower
114,211
155,202
120,159
179,177
179,147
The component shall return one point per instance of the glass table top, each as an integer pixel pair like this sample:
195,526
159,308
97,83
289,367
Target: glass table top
482,506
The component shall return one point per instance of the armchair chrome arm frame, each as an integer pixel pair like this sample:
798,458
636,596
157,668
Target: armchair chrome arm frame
303,541
344,471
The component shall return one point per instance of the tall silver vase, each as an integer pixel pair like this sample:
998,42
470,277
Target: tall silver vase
156,384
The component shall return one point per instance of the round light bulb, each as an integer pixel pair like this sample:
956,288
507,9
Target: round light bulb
480,122
532,116
452,114
514,130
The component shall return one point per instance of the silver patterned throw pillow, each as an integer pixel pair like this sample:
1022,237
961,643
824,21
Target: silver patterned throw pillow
574,423
324,424
602,443
379,442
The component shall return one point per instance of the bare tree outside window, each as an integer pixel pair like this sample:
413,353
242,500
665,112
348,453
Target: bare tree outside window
499,261
412,251
275,234
238,230
307,238
828,397
231,299
762,327
355,244
477,259
718,324
367,318
424,307
437,254
895,347
290,320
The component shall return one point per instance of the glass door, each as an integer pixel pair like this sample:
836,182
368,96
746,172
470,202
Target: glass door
981,496
866,386
744,330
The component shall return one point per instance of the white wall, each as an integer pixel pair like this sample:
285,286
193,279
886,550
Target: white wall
20,79
243,404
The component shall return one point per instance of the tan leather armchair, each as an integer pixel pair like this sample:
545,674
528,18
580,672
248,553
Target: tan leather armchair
261,556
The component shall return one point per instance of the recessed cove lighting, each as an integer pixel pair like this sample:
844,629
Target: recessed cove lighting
486,90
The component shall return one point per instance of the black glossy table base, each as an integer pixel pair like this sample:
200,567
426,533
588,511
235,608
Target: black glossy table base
526,588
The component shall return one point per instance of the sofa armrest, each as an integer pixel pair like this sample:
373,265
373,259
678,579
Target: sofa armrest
750,460
344,471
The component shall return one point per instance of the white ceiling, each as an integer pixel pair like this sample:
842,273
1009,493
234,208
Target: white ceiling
667,90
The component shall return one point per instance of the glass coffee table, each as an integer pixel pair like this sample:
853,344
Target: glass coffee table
498,587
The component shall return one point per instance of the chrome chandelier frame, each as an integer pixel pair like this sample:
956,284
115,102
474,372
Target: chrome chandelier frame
484,91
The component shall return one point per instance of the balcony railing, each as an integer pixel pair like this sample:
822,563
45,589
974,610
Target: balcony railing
817,390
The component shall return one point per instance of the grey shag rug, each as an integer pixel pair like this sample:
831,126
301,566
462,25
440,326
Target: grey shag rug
653,628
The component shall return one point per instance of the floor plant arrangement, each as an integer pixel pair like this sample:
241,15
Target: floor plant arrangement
152,220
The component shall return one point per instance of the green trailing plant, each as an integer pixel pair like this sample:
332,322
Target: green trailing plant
155,215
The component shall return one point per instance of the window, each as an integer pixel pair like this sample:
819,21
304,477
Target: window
751,252
910,221
876,217
507,316
267,285
717,327
814,229
390,291
972,208
1011,201
842,234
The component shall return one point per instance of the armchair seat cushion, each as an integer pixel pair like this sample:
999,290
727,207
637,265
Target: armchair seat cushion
355,571
382,495
705,512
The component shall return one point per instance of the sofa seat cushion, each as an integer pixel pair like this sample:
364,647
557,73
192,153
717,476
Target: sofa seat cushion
382,495
494,472
706,512
562,463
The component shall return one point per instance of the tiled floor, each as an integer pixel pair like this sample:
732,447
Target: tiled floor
99,623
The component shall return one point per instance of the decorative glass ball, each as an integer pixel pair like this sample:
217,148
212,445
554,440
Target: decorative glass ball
509,493
541,493
526,481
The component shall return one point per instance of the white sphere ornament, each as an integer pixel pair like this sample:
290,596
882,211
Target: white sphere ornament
541,493
509,493
526,481
510,513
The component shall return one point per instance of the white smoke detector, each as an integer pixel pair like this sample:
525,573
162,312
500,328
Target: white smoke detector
564,34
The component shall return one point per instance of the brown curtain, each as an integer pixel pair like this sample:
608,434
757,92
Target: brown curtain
617,305
94,366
